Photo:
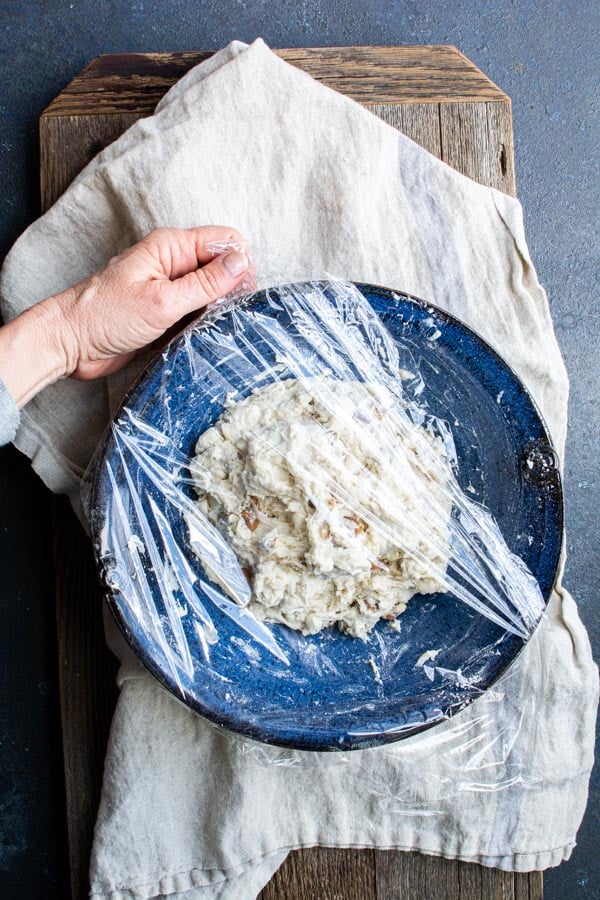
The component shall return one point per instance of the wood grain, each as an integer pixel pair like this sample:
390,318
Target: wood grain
420,123
400,875
478,142
68,143
87,682
439,99
321,873
136,81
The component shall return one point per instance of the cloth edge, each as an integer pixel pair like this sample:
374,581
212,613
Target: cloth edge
192,878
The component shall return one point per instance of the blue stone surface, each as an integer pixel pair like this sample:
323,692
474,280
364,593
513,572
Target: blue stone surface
545,56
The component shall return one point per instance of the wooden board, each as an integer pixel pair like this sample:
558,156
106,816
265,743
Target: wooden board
87,681
435,95
318,873
135,82
442,101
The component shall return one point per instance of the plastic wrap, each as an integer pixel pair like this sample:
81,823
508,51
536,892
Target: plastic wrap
376,468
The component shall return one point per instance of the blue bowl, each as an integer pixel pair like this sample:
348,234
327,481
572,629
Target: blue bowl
329,697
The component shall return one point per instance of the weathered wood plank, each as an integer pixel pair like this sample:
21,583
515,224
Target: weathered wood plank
136,81
478,143
469,879
68,143
420,123
501,143
497,885
529,885
322,873
413,876
87,681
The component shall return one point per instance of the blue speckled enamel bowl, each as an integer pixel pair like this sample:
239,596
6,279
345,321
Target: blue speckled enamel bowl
328,697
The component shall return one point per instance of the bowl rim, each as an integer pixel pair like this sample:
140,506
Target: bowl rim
303,738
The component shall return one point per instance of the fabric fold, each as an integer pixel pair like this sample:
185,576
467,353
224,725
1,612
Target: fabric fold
9,415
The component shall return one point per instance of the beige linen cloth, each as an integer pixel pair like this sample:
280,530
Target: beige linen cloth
319,186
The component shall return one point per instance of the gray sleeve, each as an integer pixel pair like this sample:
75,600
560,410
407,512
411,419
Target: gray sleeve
9,415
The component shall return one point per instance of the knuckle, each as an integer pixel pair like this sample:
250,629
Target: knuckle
157,234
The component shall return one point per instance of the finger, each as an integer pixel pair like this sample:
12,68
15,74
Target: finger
205,285
181,250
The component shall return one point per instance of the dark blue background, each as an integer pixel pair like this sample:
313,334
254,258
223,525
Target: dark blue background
545,56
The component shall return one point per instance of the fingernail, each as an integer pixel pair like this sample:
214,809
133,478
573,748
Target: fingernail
235,262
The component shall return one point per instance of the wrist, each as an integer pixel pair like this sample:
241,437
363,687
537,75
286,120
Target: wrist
34,349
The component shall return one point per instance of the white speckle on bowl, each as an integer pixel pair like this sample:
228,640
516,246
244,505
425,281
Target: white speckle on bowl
425,657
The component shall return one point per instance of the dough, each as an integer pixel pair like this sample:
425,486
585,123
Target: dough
319,497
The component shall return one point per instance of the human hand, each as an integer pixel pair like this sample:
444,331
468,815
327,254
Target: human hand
95,327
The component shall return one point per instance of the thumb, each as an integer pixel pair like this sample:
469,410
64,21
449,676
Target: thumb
207,284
